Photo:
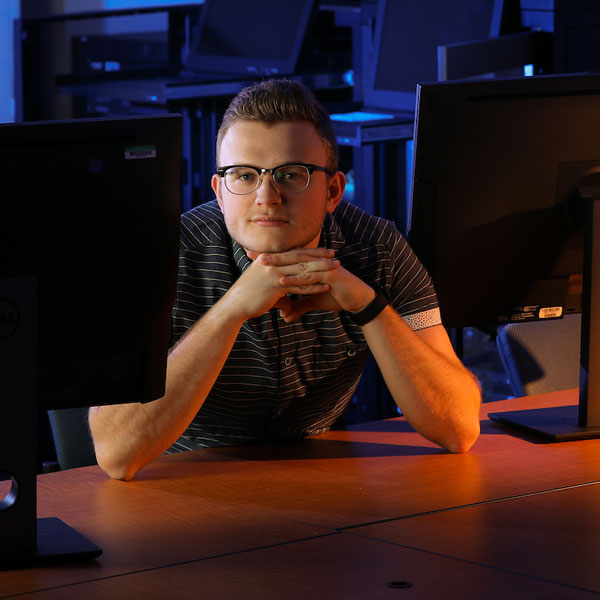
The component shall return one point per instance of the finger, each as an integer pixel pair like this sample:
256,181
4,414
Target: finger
307,271
306,290
299,307
304,278
291,257
301,279
284,304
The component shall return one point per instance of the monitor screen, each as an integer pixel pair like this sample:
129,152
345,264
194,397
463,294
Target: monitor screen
90,210
493,216
407,34
265,40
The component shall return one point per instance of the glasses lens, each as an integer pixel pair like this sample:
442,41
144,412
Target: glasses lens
291,178
241,180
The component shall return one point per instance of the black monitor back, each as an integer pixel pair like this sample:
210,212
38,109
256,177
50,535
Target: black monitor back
494,218
90,209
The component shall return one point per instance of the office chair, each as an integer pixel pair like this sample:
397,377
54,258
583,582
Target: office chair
541,356
72,438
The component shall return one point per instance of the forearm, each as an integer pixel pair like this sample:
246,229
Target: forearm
129,436
436,393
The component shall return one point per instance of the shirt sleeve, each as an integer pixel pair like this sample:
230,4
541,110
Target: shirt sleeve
412,292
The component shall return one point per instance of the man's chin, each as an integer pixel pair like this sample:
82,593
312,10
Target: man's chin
270,246
275,242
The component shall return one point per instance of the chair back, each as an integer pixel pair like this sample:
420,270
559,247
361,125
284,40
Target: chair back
541,356
72,437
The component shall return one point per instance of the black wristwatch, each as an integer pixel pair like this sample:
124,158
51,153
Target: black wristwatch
370,311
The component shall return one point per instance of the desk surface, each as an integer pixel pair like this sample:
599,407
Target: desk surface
551,536
200,514
340,566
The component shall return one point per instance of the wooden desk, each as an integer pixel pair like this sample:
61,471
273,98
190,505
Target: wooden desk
228,507
377,471
337,567
550,536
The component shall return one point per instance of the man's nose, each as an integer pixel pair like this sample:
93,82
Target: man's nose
267,193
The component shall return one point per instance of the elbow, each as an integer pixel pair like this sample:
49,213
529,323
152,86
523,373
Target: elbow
116,469
117,459
467,427
121,474
463,438
115,465
463,443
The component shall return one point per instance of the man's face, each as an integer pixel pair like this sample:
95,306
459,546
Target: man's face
267,220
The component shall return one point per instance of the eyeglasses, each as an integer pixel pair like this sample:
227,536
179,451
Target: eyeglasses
244,179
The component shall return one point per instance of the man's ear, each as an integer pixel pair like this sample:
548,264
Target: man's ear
335,190
215,184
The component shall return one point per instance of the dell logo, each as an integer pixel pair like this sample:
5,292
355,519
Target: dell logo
9,318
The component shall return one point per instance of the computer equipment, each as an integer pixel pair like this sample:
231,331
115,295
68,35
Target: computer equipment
226,41
89,238
505,186
233,40
407,34
575,28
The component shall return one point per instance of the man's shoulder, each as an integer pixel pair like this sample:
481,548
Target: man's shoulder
357,225
203,225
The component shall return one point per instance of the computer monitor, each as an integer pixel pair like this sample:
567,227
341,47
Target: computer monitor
503,175
406,38
90,209
89,236
262,40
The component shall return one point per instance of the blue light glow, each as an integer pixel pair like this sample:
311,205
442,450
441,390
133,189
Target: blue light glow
359,116
348,77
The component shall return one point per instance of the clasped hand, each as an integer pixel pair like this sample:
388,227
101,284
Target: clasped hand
313,274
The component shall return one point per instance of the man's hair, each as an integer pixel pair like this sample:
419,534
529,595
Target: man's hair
281,100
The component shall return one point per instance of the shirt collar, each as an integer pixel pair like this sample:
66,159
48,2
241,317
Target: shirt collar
331,234
239,256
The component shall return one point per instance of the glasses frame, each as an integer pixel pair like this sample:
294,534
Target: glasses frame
221,172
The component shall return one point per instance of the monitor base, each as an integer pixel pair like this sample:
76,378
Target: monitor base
557,424
57,542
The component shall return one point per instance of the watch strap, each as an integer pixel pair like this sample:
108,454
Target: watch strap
369,312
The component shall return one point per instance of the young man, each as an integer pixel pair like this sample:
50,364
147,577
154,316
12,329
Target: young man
284,289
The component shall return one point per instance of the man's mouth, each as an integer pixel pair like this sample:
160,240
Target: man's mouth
269,220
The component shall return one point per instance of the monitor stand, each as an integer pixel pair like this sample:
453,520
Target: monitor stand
25,540
58,542
555,424
583,421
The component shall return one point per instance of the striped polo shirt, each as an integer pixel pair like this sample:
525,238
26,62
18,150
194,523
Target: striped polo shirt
283,381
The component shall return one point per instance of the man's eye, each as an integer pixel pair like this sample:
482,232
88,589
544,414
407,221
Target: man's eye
287,175
243,176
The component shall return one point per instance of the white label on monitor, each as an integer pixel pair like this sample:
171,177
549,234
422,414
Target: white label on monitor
136,152
551,312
